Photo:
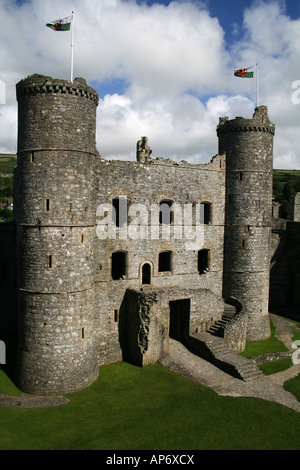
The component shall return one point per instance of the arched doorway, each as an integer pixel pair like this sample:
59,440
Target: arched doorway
146,273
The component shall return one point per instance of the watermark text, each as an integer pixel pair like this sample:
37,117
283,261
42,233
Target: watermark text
296,93
154,222
2,92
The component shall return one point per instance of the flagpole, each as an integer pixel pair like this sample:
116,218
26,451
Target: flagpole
72,45
257,87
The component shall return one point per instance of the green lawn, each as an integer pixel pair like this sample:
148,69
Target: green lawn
270,345
130,408
151,408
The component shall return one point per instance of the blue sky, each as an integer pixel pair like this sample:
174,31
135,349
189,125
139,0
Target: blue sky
162,69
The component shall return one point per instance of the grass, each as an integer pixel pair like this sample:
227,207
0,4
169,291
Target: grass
151,408
130,408
293,386
275,366
270,345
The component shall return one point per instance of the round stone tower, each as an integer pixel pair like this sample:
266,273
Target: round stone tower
248,144
55,217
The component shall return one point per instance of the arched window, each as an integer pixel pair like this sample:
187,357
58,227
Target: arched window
165,261
203,260
166,213
146,273
119,265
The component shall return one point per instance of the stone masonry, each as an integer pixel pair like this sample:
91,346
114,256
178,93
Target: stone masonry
116,257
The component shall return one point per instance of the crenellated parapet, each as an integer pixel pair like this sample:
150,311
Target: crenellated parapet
258,123
39,84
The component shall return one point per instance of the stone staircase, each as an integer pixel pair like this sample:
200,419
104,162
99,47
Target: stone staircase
215,350
217,329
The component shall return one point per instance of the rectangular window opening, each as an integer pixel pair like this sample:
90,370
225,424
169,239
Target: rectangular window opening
116,315
166,212
165,261
119,265
119,211
82,333
50,261
203,261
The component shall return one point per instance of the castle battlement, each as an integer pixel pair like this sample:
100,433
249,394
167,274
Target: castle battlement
103,276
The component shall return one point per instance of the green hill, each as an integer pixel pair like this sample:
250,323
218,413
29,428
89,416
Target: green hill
285,182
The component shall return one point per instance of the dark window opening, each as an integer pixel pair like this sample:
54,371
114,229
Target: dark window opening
205,212
119,265
240,176
116,315
119,213
50,261
243,243
166,212
203,261
47,205
82,333
82,238
164,261
146,274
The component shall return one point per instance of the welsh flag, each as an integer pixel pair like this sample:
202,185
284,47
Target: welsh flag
63,24
244,73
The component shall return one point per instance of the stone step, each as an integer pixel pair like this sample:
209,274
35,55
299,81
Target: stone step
217,351
217,329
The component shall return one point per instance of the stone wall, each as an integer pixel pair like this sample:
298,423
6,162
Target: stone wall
294,208
149,323
248,144
284,294
55,217
146,185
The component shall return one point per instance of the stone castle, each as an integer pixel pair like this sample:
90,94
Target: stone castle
91,293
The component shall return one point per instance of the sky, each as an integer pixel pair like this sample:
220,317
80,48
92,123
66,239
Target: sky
162,69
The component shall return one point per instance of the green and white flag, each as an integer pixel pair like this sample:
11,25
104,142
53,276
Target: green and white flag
64,24
244,73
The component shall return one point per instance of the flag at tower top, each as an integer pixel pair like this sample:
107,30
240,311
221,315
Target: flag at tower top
244,73
63,24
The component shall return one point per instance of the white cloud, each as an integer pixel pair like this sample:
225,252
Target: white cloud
176,63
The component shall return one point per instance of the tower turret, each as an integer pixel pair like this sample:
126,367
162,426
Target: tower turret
55,217
248,144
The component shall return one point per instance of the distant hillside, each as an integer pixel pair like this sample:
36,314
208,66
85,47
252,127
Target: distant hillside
7,164
285,182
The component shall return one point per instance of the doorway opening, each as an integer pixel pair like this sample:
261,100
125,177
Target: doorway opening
179,319
146,273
